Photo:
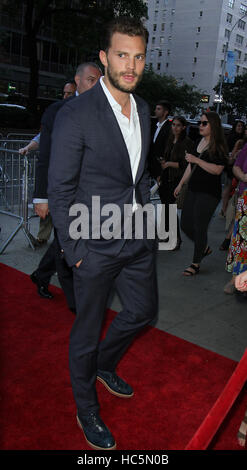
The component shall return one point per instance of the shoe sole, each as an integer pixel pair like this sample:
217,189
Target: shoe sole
90,443
117,394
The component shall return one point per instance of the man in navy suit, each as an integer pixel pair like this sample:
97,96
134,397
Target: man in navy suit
86,76
99,151
160,134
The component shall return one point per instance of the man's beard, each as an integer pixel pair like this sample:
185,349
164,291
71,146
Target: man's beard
114,79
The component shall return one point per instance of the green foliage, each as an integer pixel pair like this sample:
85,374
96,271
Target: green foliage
75,24
154,87
234,96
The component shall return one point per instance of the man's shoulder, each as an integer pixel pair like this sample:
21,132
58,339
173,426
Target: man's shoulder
52,110
141,103
81,106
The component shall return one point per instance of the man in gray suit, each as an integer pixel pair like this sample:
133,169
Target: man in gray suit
99,158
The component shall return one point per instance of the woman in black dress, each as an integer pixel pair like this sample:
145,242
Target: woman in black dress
204,186
173,166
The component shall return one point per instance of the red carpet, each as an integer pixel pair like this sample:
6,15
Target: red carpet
176,383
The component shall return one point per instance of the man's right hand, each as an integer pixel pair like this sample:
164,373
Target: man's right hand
41,209
78,264
24,150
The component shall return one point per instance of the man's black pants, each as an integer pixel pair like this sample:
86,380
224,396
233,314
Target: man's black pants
133,273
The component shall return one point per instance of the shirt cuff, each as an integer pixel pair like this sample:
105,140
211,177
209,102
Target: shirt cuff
40,201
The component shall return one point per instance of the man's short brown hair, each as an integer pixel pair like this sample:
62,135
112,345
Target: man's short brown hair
124,25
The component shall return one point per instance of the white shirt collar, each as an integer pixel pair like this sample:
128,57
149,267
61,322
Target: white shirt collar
112,101
160,124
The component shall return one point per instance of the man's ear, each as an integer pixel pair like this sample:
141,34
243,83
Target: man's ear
103,58
77,80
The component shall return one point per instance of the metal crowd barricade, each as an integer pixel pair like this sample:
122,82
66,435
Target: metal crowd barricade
17,136
17,179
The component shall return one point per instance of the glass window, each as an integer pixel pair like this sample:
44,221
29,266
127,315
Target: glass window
54,53
239,39
231,3
238,53
46,51
229,18
241,24
227,33
243,8
16,43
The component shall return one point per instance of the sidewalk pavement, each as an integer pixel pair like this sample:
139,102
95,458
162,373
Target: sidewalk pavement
194,308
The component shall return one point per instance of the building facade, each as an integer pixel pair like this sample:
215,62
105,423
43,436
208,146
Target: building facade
189,39
55,64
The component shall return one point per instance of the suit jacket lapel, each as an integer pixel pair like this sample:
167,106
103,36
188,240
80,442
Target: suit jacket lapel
143,118
110,123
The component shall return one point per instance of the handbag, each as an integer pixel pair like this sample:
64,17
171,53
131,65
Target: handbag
181,196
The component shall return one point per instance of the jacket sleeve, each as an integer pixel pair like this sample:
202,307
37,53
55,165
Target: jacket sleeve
64,171
42,163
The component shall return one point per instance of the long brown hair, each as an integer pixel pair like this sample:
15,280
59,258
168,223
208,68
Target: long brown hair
170,147
217,144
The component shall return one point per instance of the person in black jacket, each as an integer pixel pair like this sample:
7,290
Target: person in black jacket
173,166
159,137
86,76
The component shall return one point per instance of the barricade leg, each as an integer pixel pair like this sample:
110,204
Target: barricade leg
13,234
212,422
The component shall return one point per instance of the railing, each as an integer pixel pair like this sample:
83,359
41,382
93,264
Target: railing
17,179
20,136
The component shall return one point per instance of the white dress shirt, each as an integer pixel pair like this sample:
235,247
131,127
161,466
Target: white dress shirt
131,131
159,125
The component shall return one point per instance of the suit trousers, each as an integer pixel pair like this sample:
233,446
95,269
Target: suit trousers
45,228
197,212
133,272
52,262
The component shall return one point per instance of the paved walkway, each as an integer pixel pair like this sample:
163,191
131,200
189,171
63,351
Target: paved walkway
195,309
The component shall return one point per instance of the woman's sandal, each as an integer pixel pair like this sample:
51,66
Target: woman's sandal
195,268
207,252
242,431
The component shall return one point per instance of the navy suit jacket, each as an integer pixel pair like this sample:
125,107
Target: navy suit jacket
89,158
42,163
157,148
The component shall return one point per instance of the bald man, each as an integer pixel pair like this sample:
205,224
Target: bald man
87,74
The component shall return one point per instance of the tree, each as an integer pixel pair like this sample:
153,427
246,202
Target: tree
75,23
234,96
154,87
